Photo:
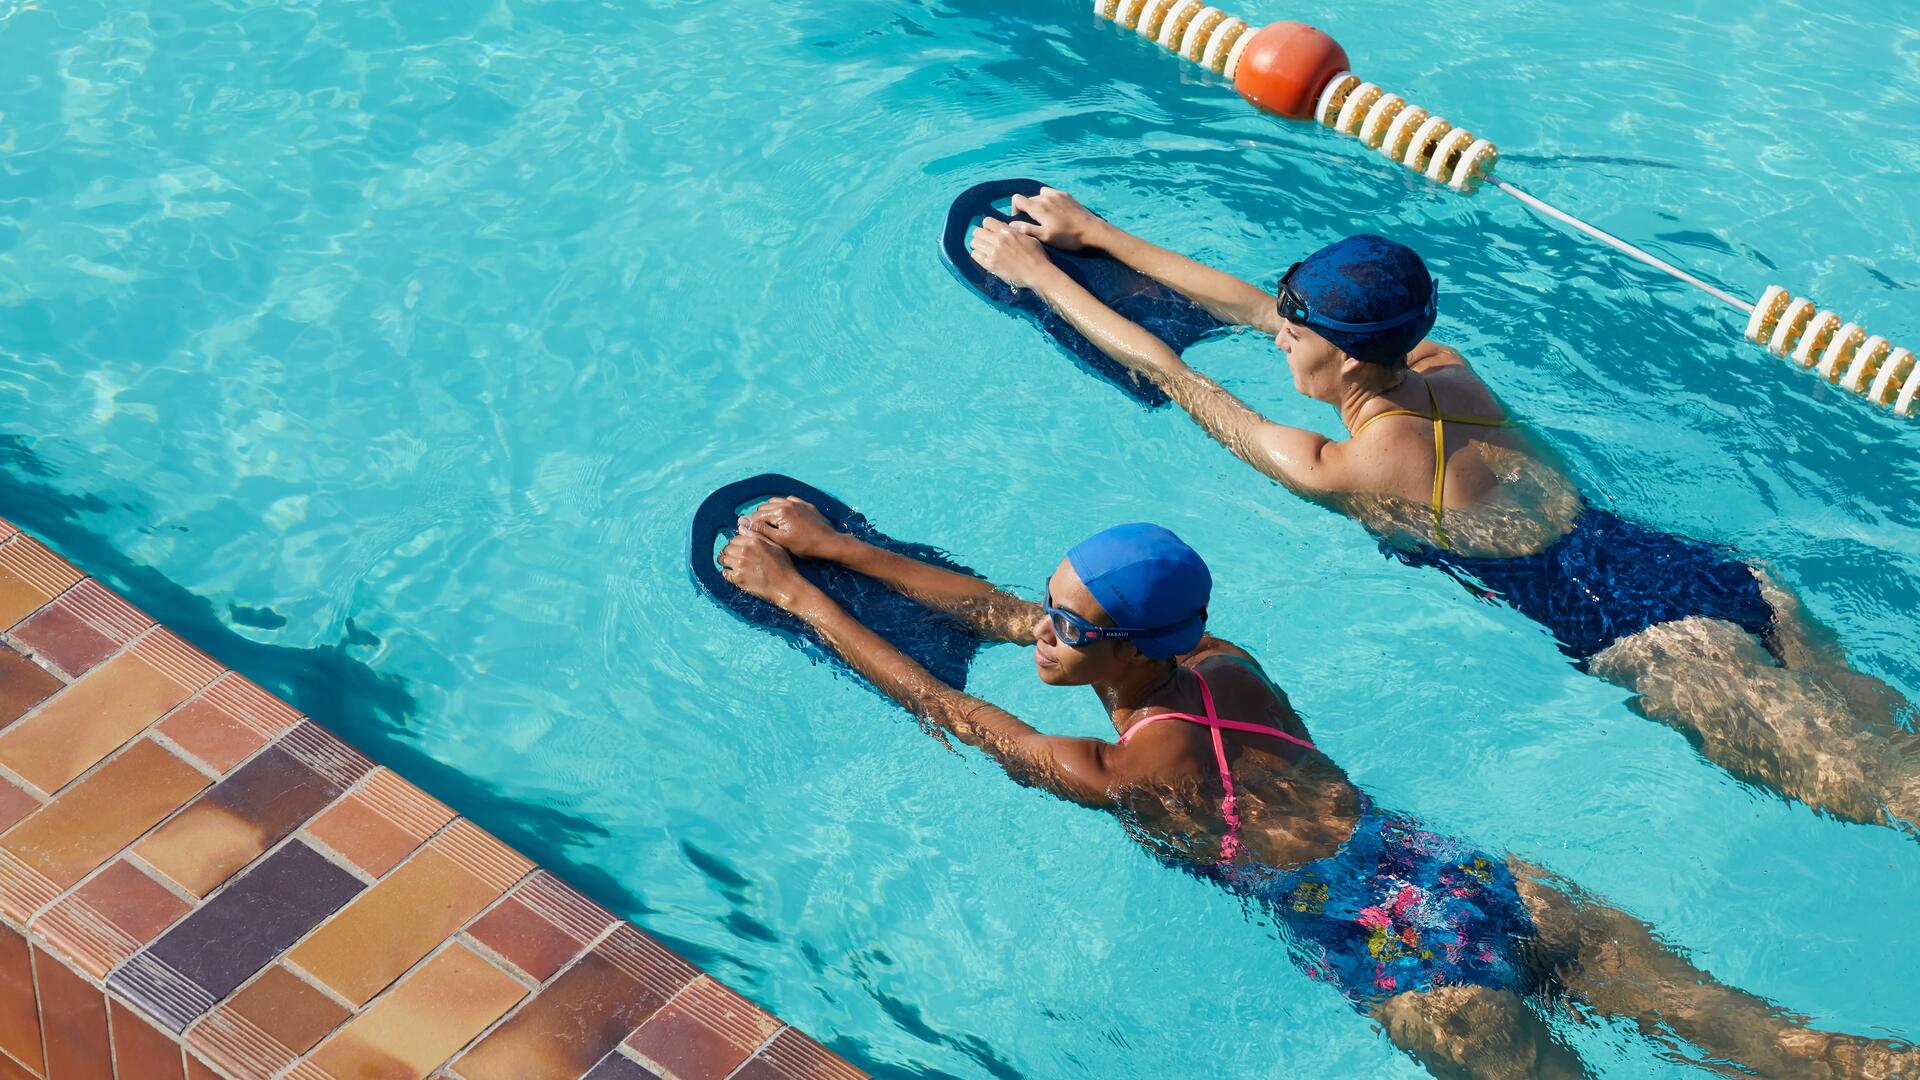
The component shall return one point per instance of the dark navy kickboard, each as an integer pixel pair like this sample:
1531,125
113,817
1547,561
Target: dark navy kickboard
1166,314
941,643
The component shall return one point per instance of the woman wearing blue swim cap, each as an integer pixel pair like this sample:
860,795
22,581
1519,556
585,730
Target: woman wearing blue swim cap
1433,466
1456,952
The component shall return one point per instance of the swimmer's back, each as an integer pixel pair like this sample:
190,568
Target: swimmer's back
1501,493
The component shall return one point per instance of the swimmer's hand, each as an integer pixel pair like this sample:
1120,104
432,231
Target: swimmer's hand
1013,256
797,526
762,568
1059,220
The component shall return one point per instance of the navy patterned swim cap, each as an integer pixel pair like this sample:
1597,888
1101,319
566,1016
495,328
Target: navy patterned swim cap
1367,279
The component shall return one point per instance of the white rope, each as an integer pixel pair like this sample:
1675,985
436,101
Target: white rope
1621,245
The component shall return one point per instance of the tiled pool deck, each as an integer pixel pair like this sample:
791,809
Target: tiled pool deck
196,881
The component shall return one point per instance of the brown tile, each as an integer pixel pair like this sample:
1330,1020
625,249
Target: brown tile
23,684
704,1033
73,1018
793,1056
396,922
103,710
12,1070
86,825
228,721
15,804
541,926
107,920
381,823
425,1019
19,1006
140,1050
237,820
585,1012
7,528
200,1070
30,575
87,624
272,1021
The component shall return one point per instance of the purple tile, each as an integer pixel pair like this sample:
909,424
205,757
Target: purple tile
617,1066
212,951
255,807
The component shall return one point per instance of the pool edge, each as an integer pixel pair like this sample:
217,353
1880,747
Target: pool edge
188,863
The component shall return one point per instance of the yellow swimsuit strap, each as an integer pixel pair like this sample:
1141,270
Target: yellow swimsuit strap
1440,421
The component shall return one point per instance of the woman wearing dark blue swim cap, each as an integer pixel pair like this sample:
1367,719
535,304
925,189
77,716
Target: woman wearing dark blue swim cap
1433,465
1456,952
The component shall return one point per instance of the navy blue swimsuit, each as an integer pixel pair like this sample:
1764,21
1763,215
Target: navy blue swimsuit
1608,578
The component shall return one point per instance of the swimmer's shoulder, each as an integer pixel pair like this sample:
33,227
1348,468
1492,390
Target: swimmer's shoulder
1431,356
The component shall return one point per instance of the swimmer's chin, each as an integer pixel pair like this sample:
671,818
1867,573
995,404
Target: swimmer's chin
1046,667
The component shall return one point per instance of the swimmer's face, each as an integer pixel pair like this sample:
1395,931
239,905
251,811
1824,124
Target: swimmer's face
1313,360
1060,664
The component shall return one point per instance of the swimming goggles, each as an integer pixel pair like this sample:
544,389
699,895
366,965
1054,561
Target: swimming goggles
1294,307
1073,630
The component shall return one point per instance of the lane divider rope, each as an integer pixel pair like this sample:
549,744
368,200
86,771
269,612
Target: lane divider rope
1300,73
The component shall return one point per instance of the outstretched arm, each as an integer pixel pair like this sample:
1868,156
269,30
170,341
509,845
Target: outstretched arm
1074,769
1060,221
993,613
1305,461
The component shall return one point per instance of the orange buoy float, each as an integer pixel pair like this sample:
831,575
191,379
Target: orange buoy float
1285,67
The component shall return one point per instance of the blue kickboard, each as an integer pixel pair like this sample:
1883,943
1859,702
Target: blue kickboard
941,643
1169,316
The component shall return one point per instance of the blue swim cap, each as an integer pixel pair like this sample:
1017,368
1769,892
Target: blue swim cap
1367,279
1147,578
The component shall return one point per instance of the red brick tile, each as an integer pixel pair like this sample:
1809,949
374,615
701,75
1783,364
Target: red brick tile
140,1050
381,823
84,626
541,926
95,715
107,920
704,1033
426,1018
269,1023
30,576
793,1056
585,1012
237,820
15,804
404,917
23,684
86,825
73,1017
228,721
19,1006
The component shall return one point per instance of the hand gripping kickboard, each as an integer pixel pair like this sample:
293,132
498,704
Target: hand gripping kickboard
1166,314
941,643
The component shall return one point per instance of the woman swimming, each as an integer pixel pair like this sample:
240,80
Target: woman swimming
1434,466
1454,951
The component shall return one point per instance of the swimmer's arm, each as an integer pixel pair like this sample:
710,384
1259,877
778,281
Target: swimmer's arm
993,613
1074,769
1308,463
1228,298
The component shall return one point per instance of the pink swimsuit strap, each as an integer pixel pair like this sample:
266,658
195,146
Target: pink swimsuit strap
1212,720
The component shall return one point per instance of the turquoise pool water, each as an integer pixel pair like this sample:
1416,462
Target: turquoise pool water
386,347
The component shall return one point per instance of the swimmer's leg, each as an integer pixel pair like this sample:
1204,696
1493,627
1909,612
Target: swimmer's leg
1805,644
1476,1032
1614,963
1766,724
